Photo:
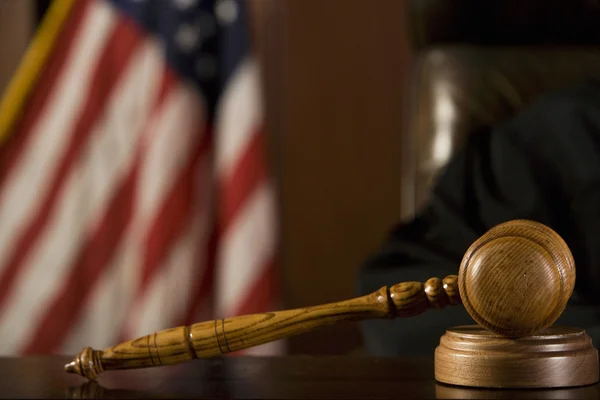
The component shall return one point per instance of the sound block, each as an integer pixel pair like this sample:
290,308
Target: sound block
557,357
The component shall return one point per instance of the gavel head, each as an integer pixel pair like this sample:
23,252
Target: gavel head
517,278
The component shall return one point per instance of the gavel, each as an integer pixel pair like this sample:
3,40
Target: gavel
514,281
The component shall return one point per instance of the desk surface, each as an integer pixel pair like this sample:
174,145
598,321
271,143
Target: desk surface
253,378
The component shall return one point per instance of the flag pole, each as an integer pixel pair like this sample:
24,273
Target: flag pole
31,65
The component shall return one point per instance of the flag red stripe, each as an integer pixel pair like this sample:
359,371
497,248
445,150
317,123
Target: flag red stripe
247,174
12,150
112,62
259,298
95,255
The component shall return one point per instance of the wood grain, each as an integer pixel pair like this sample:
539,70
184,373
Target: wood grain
555,357
517,278
214,338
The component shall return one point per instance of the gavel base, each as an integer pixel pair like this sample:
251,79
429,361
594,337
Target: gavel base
556,357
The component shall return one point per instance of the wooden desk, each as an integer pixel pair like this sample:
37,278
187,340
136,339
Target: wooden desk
255,378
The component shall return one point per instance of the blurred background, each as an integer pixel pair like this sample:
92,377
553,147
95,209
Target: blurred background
363,102
333,75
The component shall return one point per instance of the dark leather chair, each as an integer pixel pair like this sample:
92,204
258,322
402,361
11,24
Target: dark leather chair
478,62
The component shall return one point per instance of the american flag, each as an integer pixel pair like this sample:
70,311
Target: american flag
134,192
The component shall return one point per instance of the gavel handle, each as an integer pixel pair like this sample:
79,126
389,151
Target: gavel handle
218,337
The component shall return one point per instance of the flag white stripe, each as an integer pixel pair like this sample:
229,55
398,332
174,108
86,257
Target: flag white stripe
244,250
106,159
164,159
27,185
238,115
116,288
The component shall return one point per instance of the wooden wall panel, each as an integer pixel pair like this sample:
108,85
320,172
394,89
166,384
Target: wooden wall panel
334,73
17,20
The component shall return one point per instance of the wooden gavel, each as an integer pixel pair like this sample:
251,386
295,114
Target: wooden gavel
514,280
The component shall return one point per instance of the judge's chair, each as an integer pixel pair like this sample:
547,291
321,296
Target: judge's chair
475,64
479,62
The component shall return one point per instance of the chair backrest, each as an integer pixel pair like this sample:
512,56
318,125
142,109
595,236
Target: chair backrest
479,62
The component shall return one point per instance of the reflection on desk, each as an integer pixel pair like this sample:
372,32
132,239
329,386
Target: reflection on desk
256,378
